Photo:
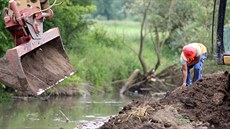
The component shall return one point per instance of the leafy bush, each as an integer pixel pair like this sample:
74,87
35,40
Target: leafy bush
102,58
6,41
69,18
5,97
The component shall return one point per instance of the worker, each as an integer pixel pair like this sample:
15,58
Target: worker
192,56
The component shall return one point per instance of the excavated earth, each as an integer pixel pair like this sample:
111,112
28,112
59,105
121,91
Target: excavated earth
205,105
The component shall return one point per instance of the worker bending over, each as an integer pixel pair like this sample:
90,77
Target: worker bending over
193,55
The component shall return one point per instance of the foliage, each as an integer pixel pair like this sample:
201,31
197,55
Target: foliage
109,9
5,97
5,38
69,19
2,86
102,54
197,24
211,66
108,53
190,21
82,3
103,60
155,22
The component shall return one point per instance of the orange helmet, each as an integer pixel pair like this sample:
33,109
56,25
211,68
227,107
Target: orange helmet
189,51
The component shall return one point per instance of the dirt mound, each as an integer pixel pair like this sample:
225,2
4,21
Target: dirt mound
147,114
208,100
205,104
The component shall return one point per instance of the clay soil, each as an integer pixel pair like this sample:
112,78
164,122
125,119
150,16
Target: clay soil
205,105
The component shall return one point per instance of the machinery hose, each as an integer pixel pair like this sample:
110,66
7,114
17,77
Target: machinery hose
54,4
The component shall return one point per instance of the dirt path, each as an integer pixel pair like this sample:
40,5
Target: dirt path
205,105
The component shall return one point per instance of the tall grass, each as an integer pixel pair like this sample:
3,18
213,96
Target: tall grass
130,32
110,52
129,29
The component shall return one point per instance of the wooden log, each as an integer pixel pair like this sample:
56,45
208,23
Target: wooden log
130,81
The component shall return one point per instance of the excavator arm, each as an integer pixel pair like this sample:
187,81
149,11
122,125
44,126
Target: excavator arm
38,61
223,35
221,59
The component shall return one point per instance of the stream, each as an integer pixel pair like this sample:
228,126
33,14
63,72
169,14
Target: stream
59,112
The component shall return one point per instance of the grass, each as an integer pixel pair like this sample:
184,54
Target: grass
106,54
211,66
129,31
110,52
5,97
128,28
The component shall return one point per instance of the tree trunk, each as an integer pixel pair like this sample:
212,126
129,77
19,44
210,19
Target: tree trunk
142,38
130,81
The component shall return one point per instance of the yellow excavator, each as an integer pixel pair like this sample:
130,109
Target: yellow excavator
38,61
223,33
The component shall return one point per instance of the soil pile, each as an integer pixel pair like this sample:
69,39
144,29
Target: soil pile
205,104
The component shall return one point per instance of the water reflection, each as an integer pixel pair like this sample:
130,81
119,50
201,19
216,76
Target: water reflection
65,112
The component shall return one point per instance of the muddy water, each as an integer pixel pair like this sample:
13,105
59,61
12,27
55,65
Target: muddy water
56,113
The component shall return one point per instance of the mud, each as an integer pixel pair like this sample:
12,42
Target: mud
205,105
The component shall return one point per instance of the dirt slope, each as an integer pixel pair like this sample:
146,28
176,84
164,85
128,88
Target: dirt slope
205,104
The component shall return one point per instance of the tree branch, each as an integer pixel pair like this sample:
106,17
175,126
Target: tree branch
142,35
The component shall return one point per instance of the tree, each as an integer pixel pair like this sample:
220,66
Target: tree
173,23
69,18
82,3
161,26
143,34
6,41
196,23
110,9
156,22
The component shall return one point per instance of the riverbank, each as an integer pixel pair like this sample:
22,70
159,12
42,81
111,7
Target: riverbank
203,106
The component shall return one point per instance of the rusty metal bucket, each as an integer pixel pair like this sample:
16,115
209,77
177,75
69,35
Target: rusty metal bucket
36,66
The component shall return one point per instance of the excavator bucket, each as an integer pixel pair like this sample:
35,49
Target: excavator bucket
33,67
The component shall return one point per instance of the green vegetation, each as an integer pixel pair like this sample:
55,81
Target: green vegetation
110,53
5,97
103,51
103,59
109,9
5,40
